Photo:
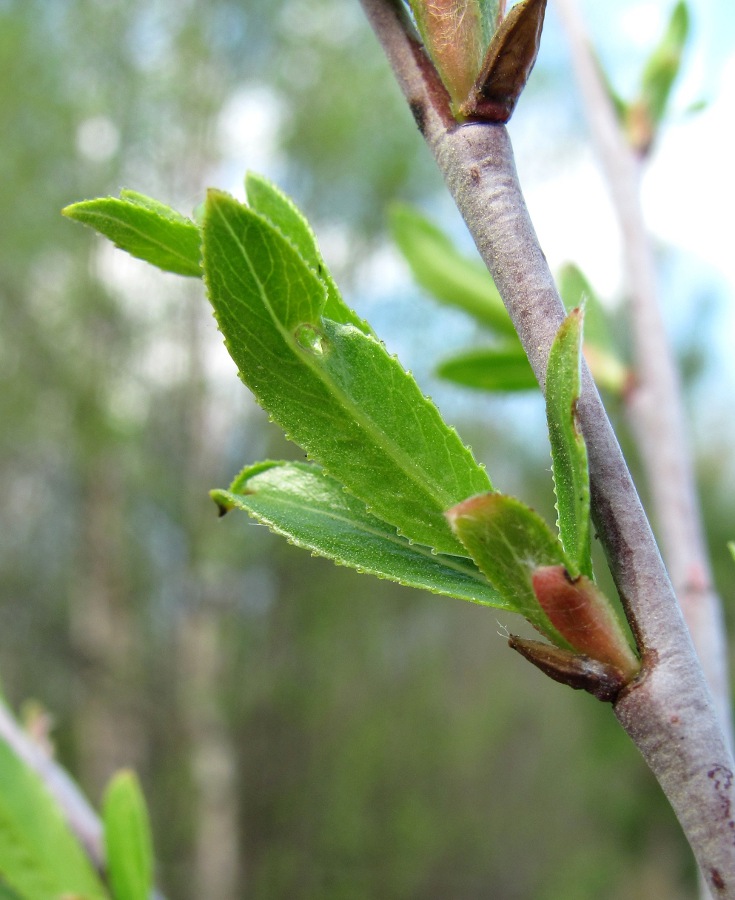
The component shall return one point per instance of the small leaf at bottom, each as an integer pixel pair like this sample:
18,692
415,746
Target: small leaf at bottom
313,510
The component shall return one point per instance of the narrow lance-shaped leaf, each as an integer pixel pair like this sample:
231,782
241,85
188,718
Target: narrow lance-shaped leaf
445,273
146,229
503,368
600,348
304,504
265,198
509,542
39,856
334,390
568,449
128,845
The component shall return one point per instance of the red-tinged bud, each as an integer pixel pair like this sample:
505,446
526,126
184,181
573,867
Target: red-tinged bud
573,669
582,614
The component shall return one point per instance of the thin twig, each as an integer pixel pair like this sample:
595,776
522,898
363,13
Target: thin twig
655,402
668,712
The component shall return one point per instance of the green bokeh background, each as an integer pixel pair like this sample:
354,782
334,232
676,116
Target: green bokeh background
300,731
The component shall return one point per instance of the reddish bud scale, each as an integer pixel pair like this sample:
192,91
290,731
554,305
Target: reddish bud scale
582,614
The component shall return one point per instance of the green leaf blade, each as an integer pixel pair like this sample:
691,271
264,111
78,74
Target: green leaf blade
334,389
502,368
39,856
568,449
600,347
144,228
445,273
312,510
128,843
664,64
509,542
271,203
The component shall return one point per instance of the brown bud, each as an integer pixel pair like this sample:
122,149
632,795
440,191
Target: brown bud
582,614
573,669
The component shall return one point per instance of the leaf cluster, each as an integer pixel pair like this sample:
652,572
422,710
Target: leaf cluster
40,858
390,489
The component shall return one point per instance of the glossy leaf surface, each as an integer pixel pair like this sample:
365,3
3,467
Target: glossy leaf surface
128,844
311,509
146,229
509,541
335,390
568,449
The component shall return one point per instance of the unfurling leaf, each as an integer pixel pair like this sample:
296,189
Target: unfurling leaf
509,541
128,844
568,449
600,348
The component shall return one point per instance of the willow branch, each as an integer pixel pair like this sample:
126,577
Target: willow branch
655,403
668,711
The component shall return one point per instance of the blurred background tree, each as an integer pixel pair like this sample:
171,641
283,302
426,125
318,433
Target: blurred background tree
300,731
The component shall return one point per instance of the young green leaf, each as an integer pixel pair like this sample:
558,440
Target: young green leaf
265,198
664,63
568,449
311,509
445,273
509,541
128,844
146,229
600,348
335,390
39,857
502,368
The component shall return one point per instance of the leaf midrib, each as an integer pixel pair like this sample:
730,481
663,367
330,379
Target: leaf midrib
443,501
